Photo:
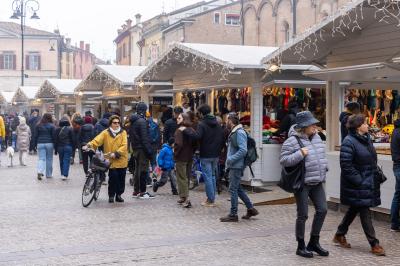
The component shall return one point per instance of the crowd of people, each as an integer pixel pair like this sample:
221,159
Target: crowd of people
222,147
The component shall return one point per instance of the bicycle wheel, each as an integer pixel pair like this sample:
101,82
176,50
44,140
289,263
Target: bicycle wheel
194,176
89,190
98,183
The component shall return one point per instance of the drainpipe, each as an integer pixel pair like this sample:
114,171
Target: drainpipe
241,22
294,10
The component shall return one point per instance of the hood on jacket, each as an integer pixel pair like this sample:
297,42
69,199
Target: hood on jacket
344,116
104,122
22,120
293,132
23,127
87,127
165,145
64,122
135,117
210,120
397,123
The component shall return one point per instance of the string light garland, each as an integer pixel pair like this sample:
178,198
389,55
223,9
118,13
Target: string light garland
198,62
349,19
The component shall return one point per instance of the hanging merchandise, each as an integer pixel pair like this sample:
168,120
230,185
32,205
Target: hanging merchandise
281,103
222,103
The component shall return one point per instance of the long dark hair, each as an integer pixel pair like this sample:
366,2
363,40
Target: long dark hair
46,118
186,122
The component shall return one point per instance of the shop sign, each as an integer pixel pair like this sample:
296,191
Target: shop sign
162,100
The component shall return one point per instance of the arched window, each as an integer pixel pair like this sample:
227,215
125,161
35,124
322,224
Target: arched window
286,31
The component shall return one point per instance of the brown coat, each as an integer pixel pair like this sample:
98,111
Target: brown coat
184,147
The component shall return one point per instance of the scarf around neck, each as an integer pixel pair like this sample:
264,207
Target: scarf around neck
115,132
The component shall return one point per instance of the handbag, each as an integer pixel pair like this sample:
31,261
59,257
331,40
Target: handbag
380,175
292,178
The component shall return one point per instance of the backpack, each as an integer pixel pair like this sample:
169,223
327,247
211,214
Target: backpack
154,131
251,155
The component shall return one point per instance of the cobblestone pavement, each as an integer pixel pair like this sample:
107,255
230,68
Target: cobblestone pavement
43,223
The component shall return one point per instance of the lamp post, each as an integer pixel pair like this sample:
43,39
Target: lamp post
20,8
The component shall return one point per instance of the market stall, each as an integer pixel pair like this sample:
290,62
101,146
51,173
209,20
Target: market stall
57,96
109,88
24,99
230,79
6,101
361,65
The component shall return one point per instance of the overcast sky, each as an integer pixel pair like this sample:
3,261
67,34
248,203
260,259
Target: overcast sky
93,21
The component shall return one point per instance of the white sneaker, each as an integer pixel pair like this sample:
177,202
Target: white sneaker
64,177
146,195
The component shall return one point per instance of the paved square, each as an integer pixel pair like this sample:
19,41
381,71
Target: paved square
44,223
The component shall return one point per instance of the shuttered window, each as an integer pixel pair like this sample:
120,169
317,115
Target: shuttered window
7,60
33,61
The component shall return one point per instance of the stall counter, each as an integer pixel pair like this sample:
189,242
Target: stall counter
271,167
333,179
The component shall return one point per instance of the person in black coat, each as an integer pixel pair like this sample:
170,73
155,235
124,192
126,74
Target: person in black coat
395,149
352,108
210,136
171,125
64,145
32,122
139,137
359,187
288,120
86,134
102,124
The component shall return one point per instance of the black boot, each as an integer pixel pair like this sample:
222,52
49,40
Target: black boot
155,187
301,249
314,245
118,198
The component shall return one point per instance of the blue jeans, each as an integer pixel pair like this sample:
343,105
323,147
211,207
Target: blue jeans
45,163
209,169
236,190
64,154
14,140
395,209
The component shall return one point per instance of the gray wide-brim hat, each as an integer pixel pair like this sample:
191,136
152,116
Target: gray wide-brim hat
305,119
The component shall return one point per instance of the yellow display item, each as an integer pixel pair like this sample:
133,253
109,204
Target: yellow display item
388,129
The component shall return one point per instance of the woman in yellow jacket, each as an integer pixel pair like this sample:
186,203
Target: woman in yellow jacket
2,132
115,142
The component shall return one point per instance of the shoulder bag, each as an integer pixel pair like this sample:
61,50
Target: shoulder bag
292,178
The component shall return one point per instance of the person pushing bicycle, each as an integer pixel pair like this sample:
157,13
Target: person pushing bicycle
115,142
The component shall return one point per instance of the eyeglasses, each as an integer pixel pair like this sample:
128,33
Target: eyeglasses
116,122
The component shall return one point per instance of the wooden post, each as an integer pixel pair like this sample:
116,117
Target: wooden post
256,130
334,102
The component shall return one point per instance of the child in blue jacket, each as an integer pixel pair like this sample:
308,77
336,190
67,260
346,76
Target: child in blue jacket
166,162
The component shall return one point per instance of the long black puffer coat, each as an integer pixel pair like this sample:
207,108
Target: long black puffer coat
139,134
358,183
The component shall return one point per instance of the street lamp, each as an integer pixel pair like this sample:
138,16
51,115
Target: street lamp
19,8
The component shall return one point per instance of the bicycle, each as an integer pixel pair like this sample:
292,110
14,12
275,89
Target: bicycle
95,177
196,175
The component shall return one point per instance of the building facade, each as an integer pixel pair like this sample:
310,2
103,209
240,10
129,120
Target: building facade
40,57
275,22
247,22
143,42
76,62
